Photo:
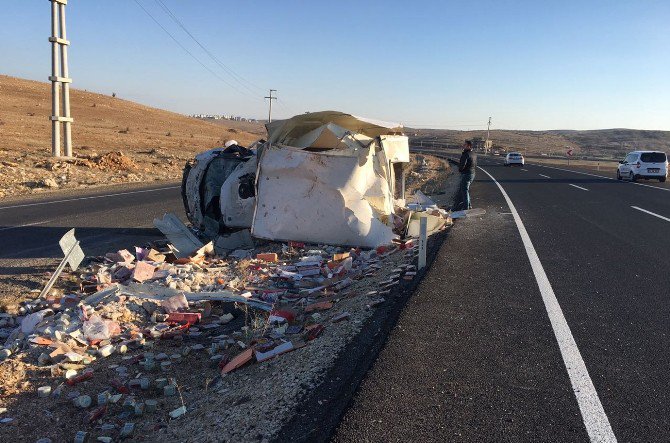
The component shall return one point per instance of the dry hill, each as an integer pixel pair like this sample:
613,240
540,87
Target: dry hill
602,143
114,140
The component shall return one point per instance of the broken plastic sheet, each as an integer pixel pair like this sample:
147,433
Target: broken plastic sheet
396,148
29,323
332,136
474,212
434,224
178,234
175,303
162,293
224,244
288,131
322,198
419,199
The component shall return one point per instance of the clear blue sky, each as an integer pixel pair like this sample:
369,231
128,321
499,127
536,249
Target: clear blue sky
528,64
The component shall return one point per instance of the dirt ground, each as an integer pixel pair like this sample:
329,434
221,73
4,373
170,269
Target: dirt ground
114,140
426,173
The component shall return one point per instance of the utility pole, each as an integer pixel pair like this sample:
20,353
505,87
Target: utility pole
60,80
488,133
271,98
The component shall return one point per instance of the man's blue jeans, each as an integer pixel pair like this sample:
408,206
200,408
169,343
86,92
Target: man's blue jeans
464,194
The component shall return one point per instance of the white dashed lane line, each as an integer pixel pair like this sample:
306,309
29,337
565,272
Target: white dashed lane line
651,213
542,175
578,187
601,176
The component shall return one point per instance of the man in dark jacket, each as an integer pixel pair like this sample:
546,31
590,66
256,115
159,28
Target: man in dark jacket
466,166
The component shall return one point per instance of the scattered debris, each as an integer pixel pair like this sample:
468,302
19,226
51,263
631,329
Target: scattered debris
234,305
183,240
475,212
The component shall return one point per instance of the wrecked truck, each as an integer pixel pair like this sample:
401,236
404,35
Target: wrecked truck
324,177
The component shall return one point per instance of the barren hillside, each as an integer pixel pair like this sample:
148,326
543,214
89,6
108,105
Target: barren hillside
115,140
611,143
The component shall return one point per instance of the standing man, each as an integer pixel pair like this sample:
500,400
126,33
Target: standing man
466,167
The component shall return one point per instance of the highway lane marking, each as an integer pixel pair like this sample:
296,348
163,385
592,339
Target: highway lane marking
595,420
651,213
25,205
542,175
600,176
524,169
24,225
578,187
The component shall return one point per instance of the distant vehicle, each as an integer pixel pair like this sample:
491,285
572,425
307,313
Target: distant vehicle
514,158
643,164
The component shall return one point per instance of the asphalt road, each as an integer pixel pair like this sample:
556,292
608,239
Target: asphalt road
476,355
105,218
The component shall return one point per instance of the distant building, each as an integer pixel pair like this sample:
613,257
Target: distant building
224,117
477,143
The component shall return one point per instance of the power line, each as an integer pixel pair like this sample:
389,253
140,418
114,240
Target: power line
241,80
287,107
191,54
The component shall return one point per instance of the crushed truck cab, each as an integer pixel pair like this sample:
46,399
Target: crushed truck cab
324,177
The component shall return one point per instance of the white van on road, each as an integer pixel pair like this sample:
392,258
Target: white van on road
643,164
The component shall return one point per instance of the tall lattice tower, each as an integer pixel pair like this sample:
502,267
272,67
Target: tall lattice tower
60,81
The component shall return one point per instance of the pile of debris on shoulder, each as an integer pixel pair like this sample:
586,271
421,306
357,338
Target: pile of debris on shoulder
238,295
279,296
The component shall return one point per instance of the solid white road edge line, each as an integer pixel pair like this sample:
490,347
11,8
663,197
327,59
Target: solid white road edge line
651,213
578,187
542,175
595,420
599,176
87,198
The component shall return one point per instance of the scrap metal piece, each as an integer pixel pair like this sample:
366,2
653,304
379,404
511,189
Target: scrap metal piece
73,256
179,235
70,247
162,293
475,212
237,240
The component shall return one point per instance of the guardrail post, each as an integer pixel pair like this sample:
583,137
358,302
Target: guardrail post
423,240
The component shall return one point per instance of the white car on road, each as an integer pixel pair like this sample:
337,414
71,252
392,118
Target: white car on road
514,158
643,164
